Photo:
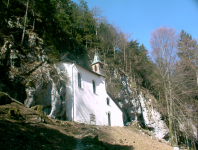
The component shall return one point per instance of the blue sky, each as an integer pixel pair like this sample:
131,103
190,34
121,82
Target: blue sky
140,17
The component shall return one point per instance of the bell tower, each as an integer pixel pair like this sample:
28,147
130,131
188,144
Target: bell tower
97,65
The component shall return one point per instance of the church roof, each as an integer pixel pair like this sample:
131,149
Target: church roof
96,59
90,70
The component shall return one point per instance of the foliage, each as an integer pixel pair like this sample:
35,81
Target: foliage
67,27
13,113
176,59
38,108
114,86
53,54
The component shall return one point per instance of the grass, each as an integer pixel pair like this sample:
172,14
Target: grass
27,132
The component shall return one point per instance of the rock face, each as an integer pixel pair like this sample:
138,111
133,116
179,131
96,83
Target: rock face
152,118
138,107
10,65
27,77
47,87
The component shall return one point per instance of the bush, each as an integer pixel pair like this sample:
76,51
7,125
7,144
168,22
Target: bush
38,108
13,113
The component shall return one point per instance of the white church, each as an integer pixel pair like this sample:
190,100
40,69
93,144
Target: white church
87,99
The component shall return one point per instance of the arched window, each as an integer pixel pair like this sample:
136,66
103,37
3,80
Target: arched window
107,101
109,118
79,80
94,86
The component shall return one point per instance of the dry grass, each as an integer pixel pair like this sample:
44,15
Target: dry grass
28,132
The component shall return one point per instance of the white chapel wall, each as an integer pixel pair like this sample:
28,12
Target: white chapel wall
115,113
86,102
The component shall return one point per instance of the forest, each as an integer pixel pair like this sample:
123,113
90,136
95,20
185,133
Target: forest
74,31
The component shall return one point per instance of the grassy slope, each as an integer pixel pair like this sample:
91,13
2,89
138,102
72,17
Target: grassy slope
27,132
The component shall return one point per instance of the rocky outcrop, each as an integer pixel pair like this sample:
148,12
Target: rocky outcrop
47,86
10,66
152,118
27,76
138,106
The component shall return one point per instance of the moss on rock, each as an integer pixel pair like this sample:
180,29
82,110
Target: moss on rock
13,113
38,108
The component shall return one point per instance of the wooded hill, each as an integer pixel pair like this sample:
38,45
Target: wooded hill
73,31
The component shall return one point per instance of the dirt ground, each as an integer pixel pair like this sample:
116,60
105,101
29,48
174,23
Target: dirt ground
30,129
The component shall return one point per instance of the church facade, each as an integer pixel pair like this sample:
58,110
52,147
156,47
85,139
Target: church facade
87,99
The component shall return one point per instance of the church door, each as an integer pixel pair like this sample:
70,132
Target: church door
109,119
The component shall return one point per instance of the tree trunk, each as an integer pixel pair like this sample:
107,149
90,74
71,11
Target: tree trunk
126,63
196,66
124,53
166,96
8,3
25,23
104,55
171,113
176,139
114,52
86,42
33,23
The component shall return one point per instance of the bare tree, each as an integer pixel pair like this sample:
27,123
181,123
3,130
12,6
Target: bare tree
99,18
124,37
24,28
115,30
163,42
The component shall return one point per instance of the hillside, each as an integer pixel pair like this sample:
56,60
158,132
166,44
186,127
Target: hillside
27,131
33,41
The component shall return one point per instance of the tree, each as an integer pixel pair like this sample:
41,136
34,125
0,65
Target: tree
24,28
185,83
3,13
123,43
188,52
163,43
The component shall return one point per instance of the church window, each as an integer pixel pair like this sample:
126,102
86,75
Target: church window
109,118
79,80
107,101
95,68
94,86
92,119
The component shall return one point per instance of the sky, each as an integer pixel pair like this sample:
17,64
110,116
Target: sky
141,17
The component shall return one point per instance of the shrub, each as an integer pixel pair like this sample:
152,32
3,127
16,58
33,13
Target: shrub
13,113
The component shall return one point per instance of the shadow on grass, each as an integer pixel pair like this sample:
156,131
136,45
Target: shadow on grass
33,136
14,135
91,143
